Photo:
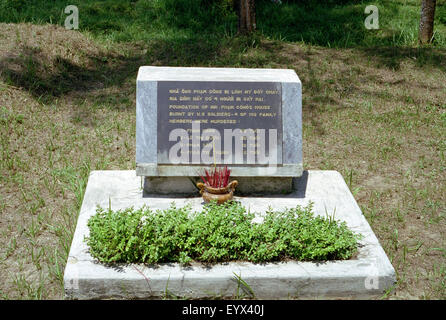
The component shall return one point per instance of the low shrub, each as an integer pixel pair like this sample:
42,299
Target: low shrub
219,233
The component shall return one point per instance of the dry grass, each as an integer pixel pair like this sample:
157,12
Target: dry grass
57,124
67,103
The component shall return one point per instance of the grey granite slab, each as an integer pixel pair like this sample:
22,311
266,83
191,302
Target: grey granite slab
146,116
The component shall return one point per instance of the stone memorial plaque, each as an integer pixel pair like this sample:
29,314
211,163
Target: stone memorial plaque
229,122
189,118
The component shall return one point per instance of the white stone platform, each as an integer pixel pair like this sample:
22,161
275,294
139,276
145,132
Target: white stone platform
366,276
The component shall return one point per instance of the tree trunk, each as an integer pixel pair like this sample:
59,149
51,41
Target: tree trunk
246,16
427,21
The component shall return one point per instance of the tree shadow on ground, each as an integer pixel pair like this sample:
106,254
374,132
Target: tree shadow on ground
392,57
327,24
183,51
48,78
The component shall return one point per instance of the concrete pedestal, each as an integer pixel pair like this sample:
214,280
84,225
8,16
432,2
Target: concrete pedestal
366,276
186,186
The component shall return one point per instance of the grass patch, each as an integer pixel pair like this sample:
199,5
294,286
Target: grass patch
219,233
338,24
376,114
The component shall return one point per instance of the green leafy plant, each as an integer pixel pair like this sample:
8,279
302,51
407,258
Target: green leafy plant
218,233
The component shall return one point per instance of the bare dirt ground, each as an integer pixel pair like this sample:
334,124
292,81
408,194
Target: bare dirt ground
67,106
